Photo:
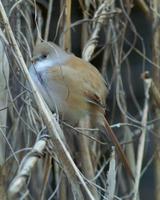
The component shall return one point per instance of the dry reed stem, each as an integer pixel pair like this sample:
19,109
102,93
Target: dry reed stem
85,156
111,177
85,10
26,166
4,79
92,42
49,13
155,94
63,155
142,139
67,34
47,172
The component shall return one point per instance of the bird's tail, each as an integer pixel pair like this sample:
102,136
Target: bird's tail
118,147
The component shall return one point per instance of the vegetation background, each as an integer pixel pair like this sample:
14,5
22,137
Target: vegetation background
122,39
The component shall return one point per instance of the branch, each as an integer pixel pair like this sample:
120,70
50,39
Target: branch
142,138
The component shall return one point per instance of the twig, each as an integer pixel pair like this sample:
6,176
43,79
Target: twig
142,138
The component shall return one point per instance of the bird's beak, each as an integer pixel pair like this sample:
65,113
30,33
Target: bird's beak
33,59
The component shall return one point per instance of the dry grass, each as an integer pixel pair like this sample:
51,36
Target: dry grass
40,158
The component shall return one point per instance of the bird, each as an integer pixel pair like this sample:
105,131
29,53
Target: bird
73,88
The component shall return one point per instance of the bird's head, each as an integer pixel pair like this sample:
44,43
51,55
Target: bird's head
46,51
47,54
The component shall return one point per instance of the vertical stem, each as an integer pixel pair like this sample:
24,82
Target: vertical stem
85,33
4,78
67,34
142,140
48,20
85,156
156,79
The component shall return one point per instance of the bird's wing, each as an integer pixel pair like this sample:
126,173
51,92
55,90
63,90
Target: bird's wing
90,80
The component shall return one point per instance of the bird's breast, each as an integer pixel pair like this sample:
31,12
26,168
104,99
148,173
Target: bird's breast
52,91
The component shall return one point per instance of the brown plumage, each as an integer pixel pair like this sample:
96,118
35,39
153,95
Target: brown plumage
72,87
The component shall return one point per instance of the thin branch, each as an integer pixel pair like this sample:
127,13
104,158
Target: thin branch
142,138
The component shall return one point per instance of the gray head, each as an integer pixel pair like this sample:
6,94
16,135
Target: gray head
48,50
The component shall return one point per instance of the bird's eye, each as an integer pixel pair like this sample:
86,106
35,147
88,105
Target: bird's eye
43,56
39,58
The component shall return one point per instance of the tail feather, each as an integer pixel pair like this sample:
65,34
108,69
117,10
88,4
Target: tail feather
118,147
